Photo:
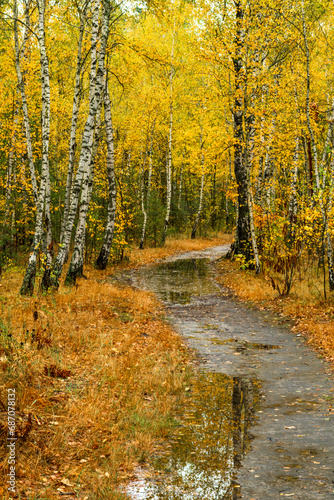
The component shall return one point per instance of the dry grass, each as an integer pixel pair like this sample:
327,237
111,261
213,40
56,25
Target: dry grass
305,306
97,374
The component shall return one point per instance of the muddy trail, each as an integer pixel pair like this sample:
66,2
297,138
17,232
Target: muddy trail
259,424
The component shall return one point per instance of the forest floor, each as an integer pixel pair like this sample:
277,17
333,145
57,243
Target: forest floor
97,375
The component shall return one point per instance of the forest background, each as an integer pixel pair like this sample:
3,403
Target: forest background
124,123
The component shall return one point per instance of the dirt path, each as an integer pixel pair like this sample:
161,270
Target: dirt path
289,426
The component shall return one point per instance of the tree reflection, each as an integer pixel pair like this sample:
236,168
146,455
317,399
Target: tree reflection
211,443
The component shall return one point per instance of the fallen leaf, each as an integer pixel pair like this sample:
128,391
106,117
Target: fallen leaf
66,482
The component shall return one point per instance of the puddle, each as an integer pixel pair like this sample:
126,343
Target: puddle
208,446
177,282
243,345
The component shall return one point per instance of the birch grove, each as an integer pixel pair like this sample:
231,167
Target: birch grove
99,136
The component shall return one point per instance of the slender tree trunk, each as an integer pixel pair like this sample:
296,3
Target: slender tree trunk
80,233
9,180
148,195
143,209
249,158
293,188
104,254
21,87
74,124
180,188
308,114
199,212
170,143
76,265
29,278
82,176
252,230
327,230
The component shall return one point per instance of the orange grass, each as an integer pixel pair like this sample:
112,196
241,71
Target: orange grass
124,373
311,314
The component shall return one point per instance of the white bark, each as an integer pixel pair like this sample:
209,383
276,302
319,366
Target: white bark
85,155
82,175
252,229
180,188
103,257
45,139
308,114
199,212
44,190
75,116
293,188
327,230
170,144
9,180
143,209
146,209
21,87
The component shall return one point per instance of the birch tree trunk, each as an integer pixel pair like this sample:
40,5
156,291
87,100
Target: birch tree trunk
327,231
21,87
82,175
76,265
44,190
80,233
308,114
249,159
9,180
252,230
104,254
180,188
74,123
170,142
293,188
199,212
148,196
143,209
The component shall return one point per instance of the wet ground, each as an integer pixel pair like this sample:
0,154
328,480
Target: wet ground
259,424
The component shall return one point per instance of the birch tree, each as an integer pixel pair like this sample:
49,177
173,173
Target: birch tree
43,201
170,144
76,264
145,209
82,176
75,116
199,211
104,254
19,52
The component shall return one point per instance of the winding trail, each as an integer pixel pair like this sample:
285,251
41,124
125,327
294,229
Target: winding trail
278,394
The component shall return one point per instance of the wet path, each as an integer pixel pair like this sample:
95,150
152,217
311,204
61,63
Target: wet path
259,424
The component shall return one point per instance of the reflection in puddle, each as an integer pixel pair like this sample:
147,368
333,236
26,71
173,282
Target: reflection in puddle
243,345
177,281
208,446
